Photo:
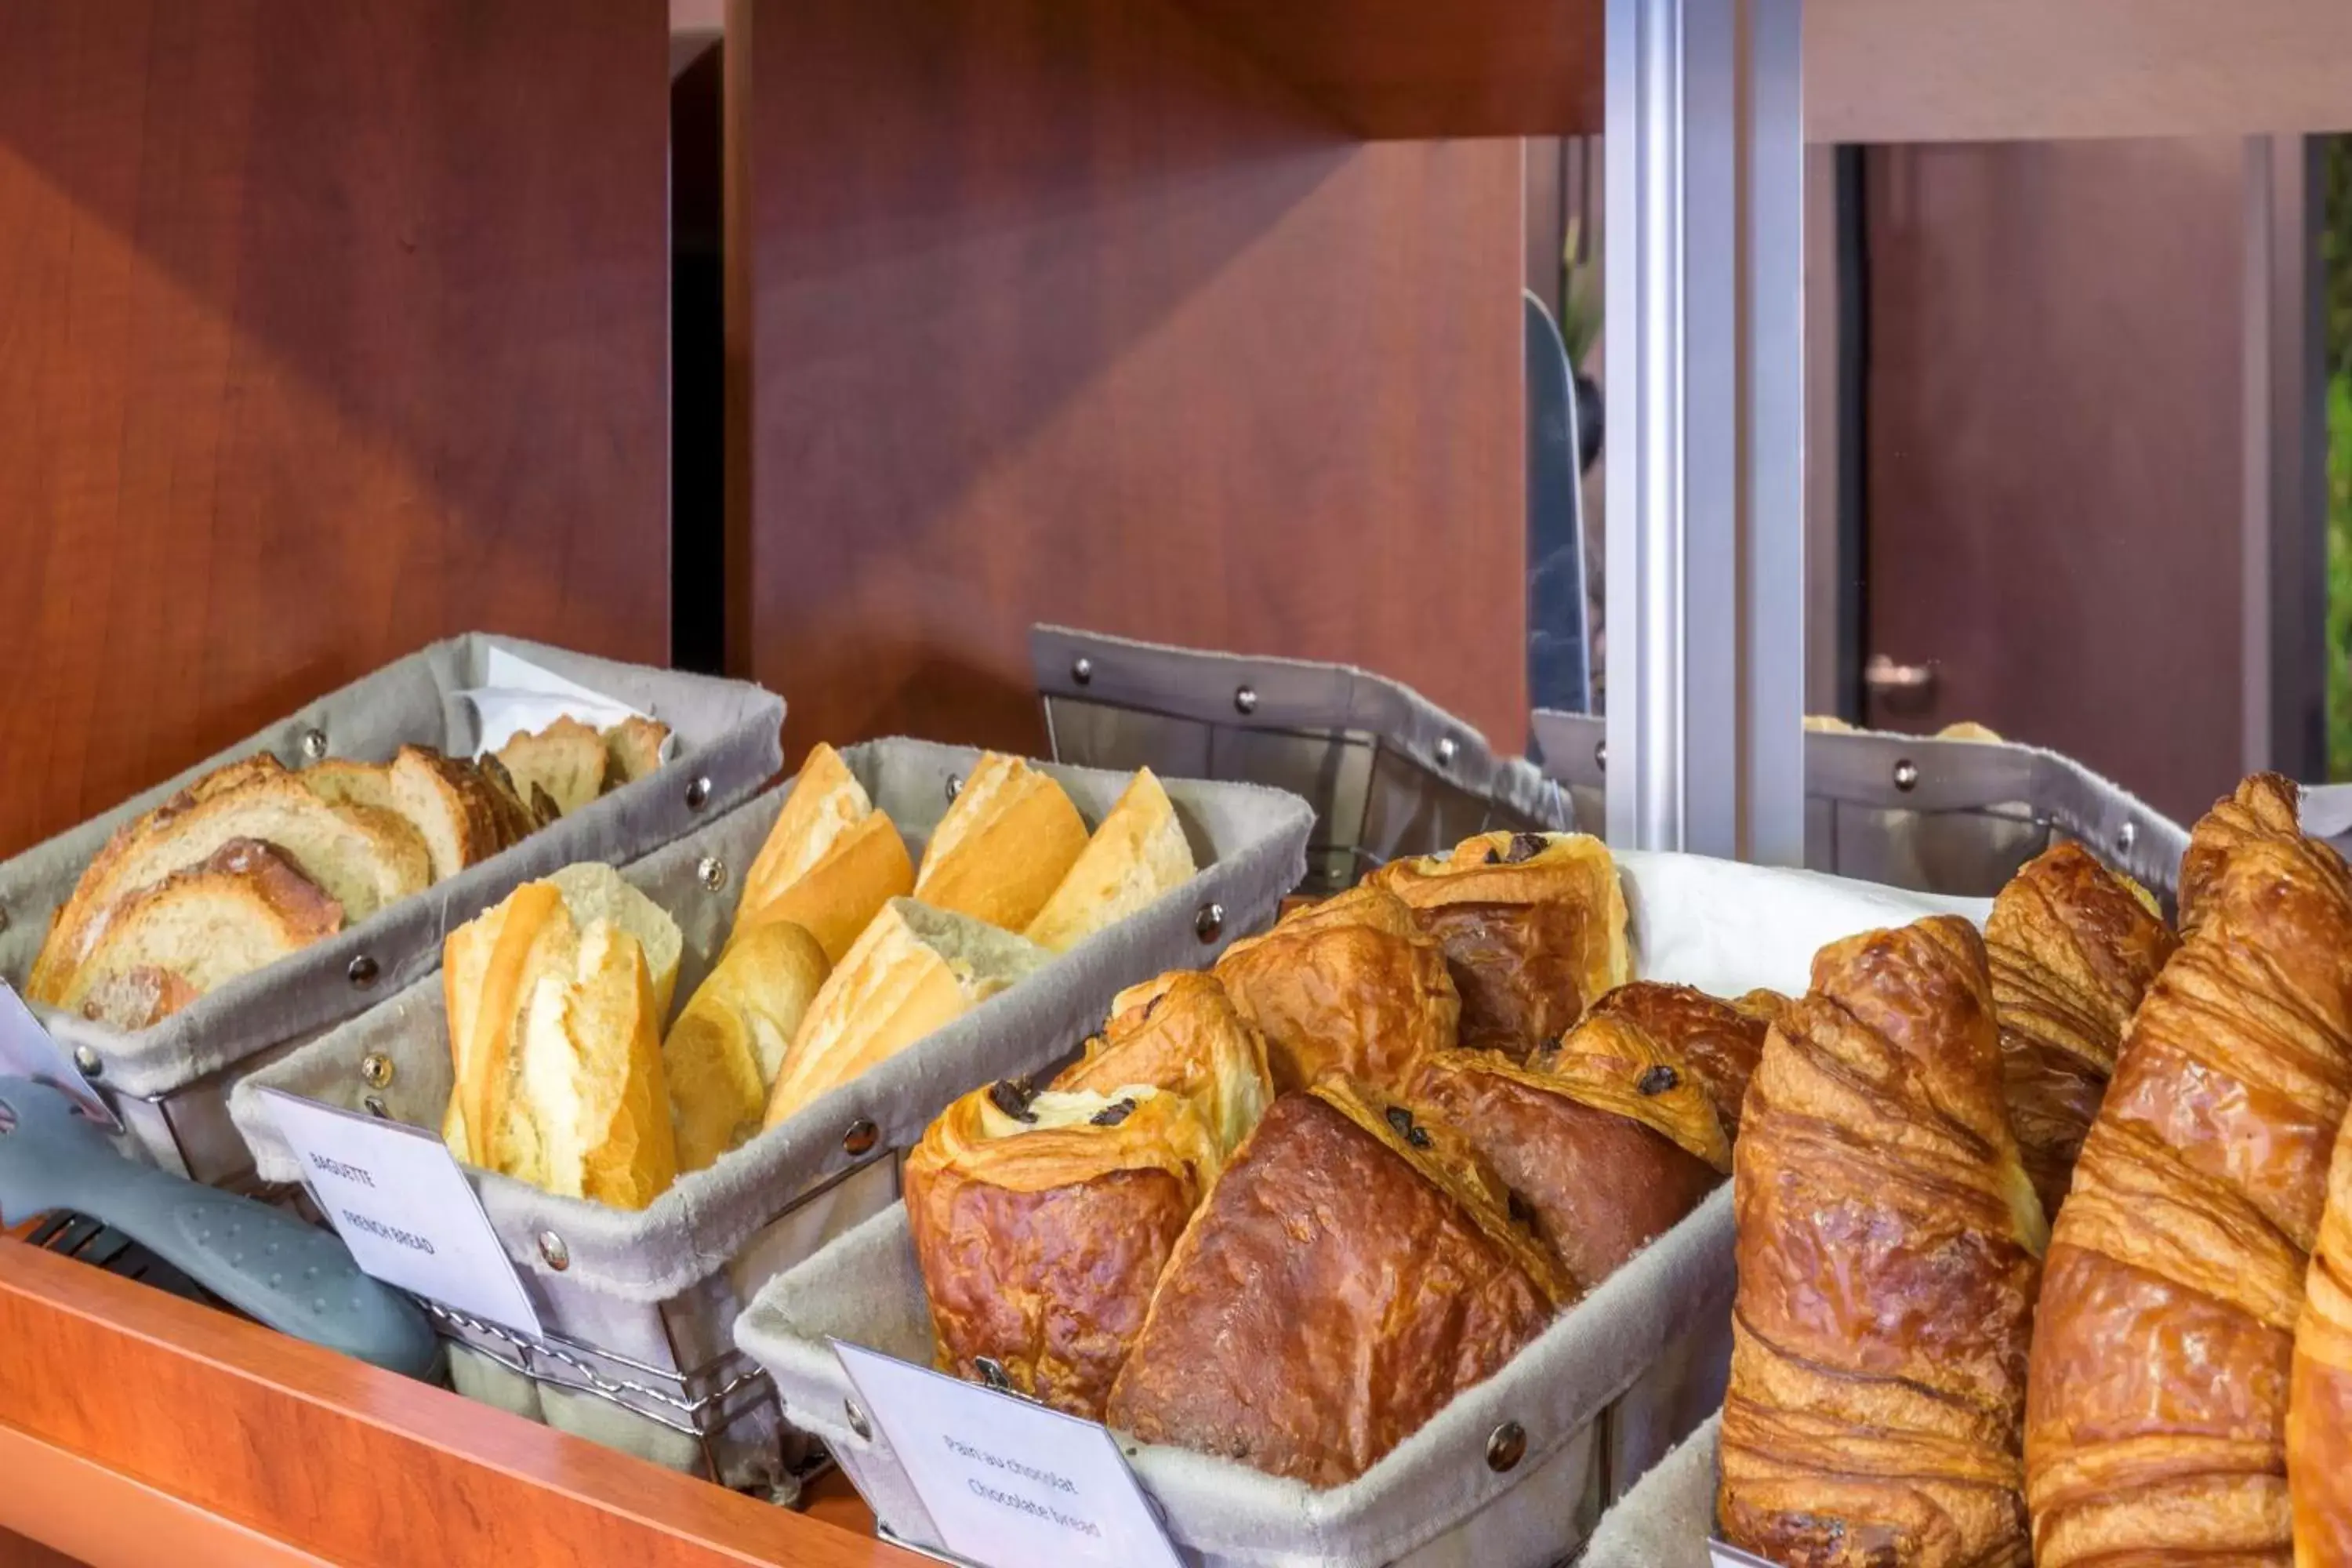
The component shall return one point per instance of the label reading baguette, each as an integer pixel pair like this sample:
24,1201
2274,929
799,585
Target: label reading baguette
400,1202
1722,1556
1006,1481
28,1050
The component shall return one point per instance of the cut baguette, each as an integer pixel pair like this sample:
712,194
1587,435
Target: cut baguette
242,907
632,749
1003,847
592,1090
567,759
914,970
362,859
729,1043
1139,853
830,863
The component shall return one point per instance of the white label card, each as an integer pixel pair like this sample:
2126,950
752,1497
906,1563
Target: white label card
397,1198
28,1050
1008,1483
1723,1556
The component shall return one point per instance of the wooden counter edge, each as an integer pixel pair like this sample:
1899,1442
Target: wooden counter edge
324,1455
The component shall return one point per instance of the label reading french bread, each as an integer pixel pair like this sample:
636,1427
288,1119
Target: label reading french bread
1722,1556
395,1195
1008,1482
28,1050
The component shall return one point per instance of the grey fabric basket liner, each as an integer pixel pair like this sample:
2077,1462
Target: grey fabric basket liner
1249,841
1859,769
1665,1521
726,733
866,1287
1294,695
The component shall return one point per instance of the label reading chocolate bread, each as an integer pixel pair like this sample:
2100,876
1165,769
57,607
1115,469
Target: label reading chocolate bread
400,1202
1007,1481
1722,1556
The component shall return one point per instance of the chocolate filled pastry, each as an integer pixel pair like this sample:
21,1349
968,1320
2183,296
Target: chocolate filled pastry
1355,1268
1719,1041
2074,947
1180,1033
1352,984
1889,1247
1533,925
1042,1220
2159,1425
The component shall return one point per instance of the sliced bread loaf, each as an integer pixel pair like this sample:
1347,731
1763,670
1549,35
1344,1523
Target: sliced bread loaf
567,760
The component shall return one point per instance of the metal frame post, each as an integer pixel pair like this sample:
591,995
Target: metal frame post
1706,367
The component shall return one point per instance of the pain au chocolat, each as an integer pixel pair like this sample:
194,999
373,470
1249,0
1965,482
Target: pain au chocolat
1614,1133
1352,984
2157,1428
1533,925
1042,1222
1889,1247
1355,1268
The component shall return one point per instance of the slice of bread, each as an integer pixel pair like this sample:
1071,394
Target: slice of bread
729,1043
1003,847
243,906
829,864
455,809
521,812
914,970
361,858
632,749
340,781
590,1076
567,760
1139,853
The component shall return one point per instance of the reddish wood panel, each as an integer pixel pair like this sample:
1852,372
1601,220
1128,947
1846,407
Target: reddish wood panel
169,1400
2053,449
1411,69
1069,310
325,331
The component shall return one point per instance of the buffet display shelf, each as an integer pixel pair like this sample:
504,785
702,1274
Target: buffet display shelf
129,1418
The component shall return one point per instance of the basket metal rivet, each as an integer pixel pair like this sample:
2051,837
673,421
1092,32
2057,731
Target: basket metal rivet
1209,921
2126,837
1246,699
87,1061
1906,774
374,1107
375,1069
861,1136
696,792
3,919
712,871
858,1420
955,786
552,1247
1506,1446
1447,749
362,971
1601,755
314,743
1082,669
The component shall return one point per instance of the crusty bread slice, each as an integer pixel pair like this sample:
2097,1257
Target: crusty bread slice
521,812
1139,853
567,759
1003,847
243,906
914,970
590,1077
729,1043
343,780
452,806
362,859
632,749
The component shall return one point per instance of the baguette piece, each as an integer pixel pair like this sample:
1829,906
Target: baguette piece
242,907
362,859
567,759
632,749
1139,853
830,863
916,969
1003,847
728,1044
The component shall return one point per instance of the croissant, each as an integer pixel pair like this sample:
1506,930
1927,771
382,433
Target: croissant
2156,1429
1889,1246
1352,984
2319,1413
1354,1269
1533,926
1043,1221
2073,948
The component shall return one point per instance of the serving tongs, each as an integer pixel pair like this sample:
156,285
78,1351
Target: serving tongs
260,1260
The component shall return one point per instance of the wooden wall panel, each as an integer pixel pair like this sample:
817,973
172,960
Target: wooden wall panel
1066,310
325,331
